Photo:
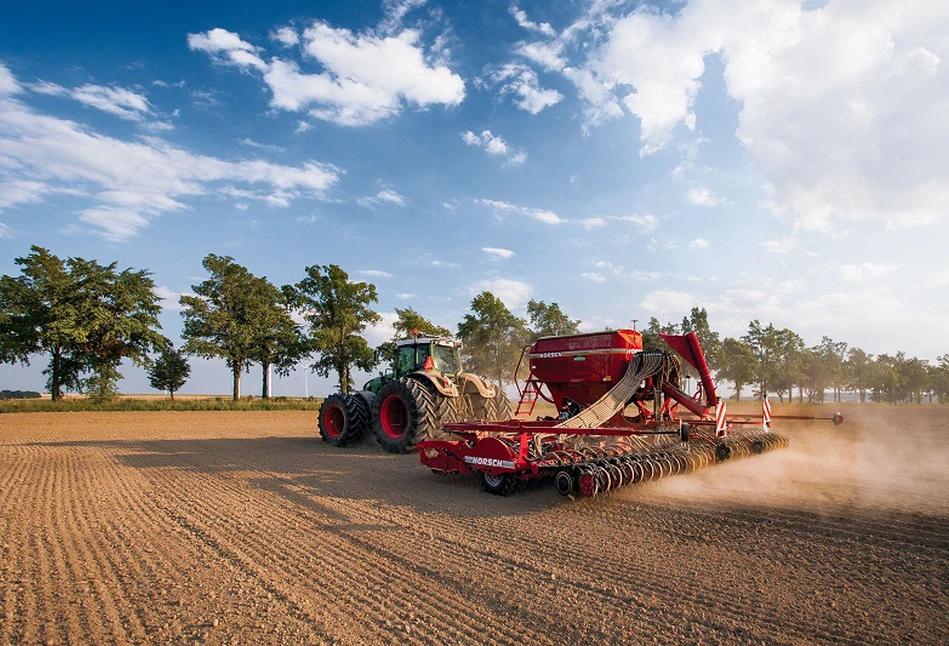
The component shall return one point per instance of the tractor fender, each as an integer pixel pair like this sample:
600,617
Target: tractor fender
472,383
442,384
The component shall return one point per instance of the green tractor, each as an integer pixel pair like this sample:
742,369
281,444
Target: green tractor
424,389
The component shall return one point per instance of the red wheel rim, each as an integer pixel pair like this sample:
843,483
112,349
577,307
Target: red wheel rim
394,417
587,484
334,421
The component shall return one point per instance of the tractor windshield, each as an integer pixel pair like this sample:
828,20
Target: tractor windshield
445,359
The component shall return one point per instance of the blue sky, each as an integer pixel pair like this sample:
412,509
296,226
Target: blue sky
783,161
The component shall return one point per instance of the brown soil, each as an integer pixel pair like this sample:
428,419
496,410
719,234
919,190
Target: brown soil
242,527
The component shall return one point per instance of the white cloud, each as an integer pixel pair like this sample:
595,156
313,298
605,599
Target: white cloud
385,197
701,196
405,295
863,271
521,81
593,223
8,82
374,273
541,215
5,231
382,331
830,94
645,223
286,36
667,303
114,100
494,145
497,251
513,293
699,243
594,276
395,11
121,102
247,141
159,126
169,298
363,77
520,16
132,182
547,55
780,245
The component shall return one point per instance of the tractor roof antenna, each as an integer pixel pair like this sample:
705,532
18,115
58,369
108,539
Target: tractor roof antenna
634,324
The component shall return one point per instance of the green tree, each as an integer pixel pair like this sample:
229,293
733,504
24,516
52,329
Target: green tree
279,342
121,312
777,358
493,338
40,315
737,364
337,311
651,340
915,378
87,317
169,371
940,378
886,379
858,371
549,320
407,324
225,315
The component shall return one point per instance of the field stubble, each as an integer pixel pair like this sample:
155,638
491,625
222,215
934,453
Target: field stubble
241,527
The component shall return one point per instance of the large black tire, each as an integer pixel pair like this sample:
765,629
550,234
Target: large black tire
502,406
499,485
344,419
495,409
407,411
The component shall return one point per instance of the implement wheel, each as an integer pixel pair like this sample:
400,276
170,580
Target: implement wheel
344,418
502,484
407,411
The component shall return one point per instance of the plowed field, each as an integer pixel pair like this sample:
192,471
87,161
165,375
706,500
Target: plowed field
245,528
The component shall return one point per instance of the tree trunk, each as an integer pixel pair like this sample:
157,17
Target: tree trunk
55,393
172,394
265,388
237,383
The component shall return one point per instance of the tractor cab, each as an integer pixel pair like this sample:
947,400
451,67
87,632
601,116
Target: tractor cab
440,354
420,354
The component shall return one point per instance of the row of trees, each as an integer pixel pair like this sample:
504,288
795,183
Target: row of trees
88,318
777,361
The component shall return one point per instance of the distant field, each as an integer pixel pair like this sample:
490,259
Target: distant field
143,403
243,527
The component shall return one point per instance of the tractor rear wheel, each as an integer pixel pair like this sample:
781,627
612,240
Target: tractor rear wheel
502,406
407,411
344,419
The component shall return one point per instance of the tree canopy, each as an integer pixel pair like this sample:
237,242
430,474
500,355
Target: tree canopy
338,311
549,320
87,317
493,338
169,371
226,316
